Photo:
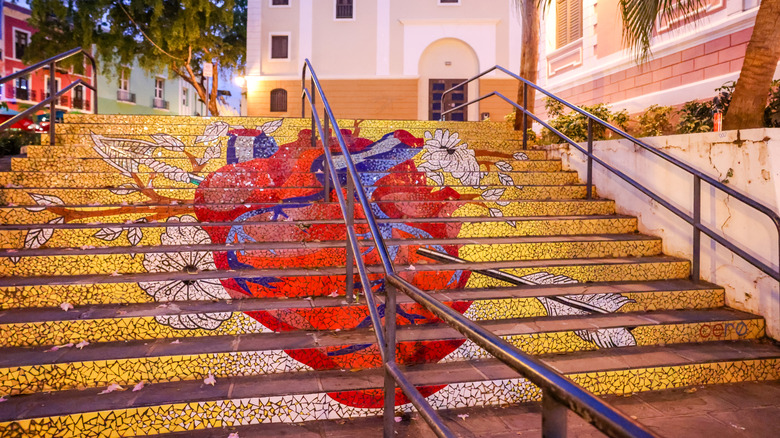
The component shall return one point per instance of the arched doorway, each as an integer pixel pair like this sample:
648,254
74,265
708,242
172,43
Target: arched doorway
445,63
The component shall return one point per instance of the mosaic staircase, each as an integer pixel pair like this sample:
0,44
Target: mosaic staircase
127,248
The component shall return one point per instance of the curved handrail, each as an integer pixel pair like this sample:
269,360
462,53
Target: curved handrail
53,94
699,176
557,389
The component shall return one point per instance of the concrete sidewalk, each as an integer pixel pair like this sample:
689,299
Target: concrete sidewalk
750,409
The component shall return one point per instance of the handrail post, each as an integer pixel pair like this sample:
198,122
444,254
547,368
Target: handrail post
325,164
389,407
350,254
590,159
553,417
696,262
525,116
52,104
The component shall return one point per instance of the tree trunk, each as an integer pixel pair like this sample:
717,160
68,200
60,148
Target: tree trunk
746,109
212,102
529,57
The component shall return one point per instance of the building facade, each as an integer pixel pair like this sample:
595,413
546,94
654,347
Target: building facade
132,90
392,58
377,58
27,91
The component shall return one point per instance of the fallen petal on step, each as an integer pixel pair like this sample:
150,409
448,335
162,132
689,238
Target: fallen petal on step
57,347
463,416
138,386
111,388
210,380
82,344
66,306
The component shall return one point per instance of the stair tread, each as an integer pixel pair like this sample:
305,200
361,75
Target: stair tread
219,274
74,401
19,356
477,219
286,245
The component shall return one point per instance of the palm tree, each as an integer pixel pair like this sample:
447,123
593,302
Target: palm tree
639,17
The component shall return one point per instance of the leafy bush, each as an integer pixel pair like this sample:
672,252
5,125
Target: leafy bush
695,117
11,141
575,125
772,110
655,121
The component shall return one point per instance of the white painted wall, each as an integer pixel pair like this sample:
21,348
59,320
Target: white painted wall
755,170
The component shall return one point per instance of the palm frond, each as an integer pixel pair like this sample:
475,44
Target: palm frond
639,18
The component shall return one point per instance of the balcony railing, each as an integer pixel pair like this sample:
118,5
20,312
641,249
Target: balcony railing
159,103
79,103
22,93
125,96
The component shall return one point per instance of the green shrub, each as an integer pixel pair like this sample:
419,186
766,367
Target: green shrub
695,117
575,125
772,110
655,121
12,140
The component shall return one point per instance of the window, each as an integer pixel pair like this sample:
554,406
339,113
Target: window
280,3
449,2
124,80
78,97
22,91
279,100
21,40
568,22
185,97
279,45
344,10
159,88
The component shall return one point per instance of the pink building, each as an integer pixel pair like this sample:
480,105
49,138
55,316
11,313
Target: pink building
25,92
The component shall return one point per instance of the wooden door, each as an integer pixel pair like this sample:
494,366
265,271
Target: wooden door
436,87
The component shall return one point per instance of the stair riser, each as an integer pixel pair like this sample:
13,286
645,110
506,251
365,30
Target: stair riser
283,231
91,180
82,145
98,165
313,257
21,197
128,372
122,214
319,406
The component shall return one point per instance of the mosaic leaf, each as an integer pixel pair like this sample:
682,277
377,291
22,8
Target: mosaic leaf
108,233
271,126
503,165
493,194
505,179
494,212
46,199
125,189
503,203
134,235
520,156
512,224
173,173
213,151
37,237
212,132
169,142
122,154
608,338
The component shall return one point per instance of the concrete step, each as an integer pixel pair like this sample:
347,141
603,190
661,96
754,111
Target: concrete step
26,370
139,195
82,234
221,178
314,253
119,213
185,164
298,397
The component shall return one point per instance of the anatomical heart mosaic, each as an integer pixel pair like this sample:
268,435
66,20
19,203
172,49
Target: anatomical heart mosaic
214,195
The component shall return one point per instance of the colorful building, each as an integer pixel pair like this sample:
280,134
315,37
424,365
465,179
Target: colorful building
27,91
391,59
135,91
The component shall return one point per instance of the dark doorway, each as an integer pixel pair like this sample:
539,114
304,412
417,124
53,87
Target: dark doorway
454,98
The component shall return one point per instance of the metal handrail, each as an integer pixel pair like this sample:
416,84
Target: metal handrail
54,95
698,176
559,392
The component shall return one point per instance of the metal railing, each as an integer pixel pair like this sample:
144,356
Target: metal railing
160,103
54,95
559,393
693,219
125,96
